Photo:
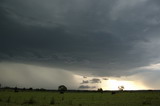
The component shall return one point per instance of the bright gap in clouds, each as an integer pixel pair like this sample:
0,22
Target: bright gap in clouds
112,84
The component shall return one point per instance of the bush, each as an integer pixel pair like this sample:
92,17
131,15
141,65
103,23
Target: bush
70,102
8,99
80,105
147,101
31,89
113,92
15,89
52,101
30,101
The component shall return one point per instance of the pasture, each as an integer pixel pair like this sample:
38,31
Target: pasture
50,98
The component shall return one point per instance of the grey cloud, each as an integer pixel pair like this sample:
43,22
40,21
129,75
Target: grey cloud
85,82
103,38
87,87
105,78
148,78
95,80
84,76
151,79
24,75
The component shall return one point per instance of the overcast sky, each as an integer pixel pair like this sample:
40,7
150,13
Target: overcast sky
44,43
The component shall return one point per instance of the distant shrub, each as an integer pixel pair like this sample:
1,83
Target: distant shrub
6,87
15,89
52,101
92,98
24,89
70,102
147,101
113,92
62,98
30,101
8,99
30,89
80,105
44,98
42,89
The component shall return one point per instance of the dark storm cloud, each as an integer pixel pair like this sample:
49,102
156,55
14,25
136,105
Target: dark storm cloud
95,80
105,37
92,81
104,78
87,87
85,82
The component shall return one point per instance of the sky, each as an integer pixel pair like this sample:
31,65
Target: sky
83,44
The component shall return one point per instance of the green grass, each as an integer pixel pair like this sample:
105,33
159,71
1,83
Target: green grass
44,98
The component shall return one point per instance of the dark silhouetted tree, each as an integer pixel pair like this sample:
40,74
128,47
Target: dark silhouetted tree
30,88
100,90
113,92
15,89
121,88
24,89
62,89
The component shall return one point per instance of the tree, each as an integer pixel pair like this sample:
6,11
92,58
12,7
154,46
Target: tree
15,89
100,90
30,88
121,88
62,89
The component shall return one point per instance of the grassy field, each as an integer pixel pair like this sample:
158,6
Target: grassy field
45,98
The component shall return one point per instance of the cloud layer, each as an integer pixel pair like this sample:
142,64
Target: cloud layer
87,37
22,75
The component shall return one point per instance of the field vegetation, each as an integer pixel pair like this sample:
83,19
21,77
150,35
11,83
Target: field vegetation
77,98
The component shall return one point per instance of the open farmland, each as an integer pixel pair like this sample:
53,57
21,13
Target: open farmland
49,98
